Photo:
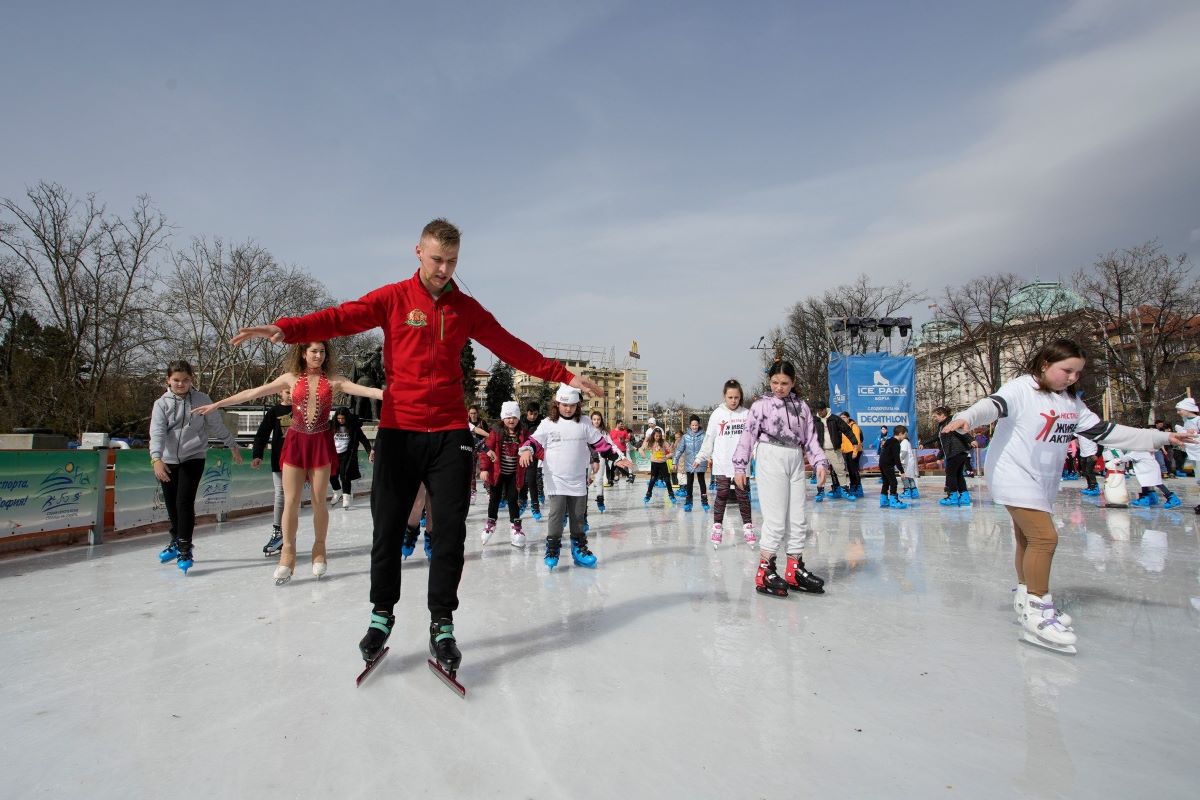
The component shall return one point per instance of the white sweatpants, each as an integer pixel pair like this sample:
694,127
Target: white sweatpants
781,487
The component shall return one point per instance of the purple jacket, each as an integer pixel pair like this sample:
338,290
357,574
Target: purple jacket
787,423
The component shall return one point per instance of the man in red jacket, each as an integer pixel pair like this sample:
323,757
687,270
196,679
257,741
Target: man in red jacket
426,321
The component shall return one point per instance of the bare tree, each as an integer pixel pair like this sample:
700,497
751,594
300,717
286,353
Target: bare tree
92,277
805,339
1144,304
215,289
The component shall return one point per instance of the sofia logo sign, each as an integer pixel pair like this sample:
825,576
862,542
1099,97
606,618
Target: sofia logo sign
214,486
59,492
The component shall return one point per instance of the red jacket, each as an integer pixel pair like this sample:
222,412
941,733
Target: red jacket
422,341
493,444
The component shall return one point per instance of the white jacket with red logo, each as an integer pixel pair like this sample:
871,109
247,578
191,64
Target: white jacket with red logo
1025,457
422,341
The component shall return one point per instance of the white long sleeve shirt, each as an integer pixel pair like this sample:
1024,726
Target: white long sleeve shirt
720,440
1025,458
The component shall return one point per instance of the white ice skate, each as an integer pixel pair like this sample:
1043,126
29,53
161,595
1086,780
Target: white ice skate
1019,595
489,528
518,536
337,498
346,501
748,533
717,532
319,569
1040,626
282,575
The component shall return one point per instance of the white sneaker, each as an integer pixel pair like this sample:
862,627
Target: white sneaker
717,531
518,537
346,501
337,496
749,534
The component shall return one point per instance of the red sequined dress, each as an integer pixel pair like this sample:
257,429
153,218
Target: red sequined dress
309,440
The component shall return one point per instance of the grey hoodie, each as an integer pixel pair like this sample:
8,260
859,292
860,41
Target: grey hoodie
178,435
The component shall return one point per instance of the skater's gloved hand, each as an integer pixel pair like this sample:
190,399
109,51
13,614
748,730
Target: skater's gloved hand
255,463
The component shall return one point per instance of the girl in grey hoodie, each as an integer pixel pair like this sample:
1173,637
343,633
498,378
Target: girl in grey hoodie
178,444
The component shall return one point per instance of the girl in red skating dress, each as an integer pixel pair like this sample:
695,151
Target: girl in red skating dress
308,453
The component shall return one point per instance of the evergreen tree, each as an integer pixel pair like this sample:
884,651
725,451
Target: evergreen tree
466,360
499,389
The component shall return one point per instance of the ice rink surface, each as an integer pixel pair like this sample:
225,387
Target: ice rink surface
660,674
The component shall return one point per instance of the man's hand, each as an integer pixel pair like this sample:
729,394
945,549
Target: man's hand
237,455
272,332
586,385
255,463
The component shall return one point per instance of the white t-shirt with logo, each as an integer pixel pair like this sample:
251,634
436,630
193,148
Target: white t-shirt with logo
1026,454
720,440
567,454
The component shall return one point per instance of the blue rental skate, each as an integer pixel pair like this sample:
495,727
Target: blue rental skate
820,496
964,499
582,556
895,502
184,562
537,516
1173,502
949,500
552,548
883,501
687,506
169,553
428,547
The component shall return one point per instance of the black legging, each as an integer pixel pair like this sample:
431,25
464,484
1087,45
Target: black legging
889,481
1087,465
658,470
532,487
725,486
506,487
956,481
852,469
179,494
697,475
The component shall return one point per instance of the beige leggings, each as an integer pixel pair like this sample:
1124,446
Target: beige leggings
1036,540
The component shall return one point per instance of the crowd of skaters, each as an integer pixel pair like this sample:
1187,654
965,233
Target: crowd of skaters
428,452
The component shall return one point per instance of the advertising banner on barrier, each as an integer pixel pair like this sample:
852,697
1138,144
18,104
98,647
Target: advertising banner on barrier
876,388
48,490
224,487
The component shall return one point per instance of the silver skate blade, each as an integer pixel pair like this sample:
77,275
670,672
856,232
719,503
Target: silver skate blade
447,678
1031,639
371,665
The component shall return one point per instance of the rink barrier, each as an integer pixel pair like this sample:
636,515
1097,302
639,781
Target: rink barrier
56,496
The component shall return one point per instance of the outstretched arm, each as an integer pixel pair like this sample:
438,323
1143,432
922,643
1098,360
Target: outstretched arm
340,383
282,382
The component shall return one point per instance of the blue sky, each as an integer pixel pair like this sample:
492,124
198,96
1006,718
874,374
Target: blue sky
678,173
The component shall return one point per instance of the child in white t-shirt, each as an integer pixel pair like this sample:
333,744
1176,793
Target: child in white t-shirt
1149,477
1038,415
567,439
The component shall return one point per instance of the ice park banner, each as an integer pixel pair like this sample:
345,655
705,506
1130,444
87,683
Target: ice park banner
876,388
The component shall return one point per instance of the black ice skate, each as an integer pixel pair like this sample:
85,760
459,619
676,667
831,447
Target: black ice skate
446,656
372,646
767,581
273,547
800,579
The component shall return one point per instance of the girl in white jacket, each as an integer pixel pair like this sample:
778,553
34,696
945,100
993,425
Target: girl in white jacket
725,426
1038,414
